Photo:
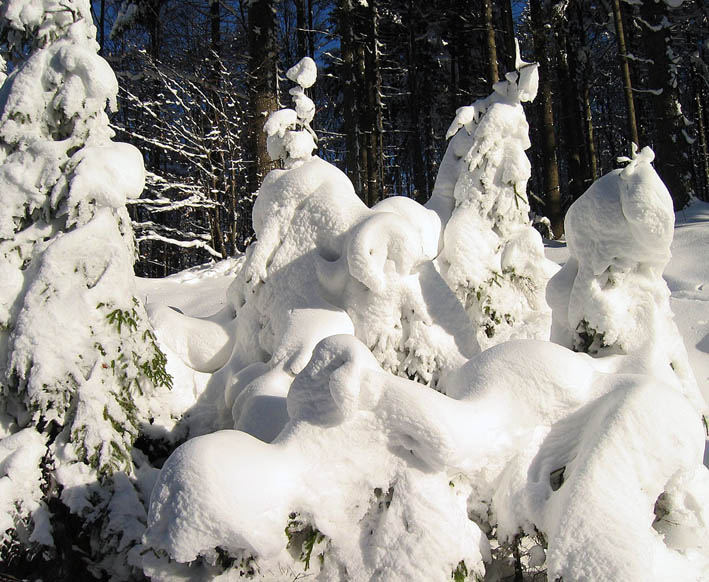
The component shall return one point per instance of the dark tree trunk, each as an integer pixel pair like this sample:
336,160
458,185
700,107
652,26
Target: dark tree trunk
349,94
263,84
363,115
552,192
670,146
311,31
415,149
702,132
590,134
301,32
625,70
490,44
217,184
375,153
508,35
572,118
102,25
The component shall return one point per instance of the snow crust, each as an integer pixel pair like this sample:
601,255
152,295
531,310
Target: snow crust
345,465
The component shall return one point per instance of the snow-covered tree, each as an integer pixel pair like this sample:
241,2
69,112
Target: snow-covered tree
492,258
610,297
79,359
343,468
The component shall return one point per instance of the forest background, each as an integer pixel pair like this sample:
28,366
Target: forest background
199,77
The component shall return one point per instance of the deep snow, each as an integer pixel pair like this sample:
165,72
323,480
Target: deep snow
400,410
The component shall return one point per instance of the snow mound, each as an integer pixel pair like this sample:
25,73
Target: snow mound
376,475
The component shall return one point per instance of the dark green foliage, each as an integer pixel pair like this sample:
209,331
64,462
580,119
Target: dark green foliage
302,539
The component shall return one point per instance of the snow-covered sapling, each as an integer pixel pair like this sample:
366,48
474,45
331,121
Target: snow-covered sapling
492,257
289,135
610,297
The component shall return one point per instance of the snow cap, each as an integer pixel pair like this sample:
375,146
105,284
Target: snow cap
304,73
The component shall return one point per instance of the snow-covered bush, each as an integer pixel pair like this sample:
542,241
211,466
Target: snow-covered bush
528,456
78,358
375,478
610,297
325,264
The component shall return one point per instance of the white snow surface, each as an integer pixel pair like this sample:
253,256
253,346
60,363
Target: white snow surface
346,465
610,296
304,73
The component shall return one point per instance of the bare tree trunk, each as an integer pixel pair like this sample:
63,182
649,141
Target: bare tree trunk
590,136
625,69
311,32
301,32
263,81
217,191
701,130
670,145
375,154
552,191
415,150
102,25
493,74
572,121
349,89
363,119
454,82
509,35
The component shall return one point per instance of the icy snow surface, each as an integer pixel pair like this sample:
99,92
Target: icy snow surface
400,411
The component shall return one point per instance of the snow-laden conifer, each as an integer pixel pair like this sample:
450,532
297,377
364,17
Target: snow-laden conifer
610,297
492,257
78,355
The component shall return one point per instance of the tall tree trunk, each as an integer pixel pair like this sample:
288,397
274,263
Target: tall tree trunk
508,35
301,32
102,25
217,184
572,120
263,84
349,92
552,192
415,150
375,153
625,70
590,135
492,70
454,82
363,113
702,131
670,145
311,31
215,27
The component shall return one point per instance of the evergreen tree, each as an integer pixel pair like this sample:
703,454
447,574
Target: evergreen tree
79,360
